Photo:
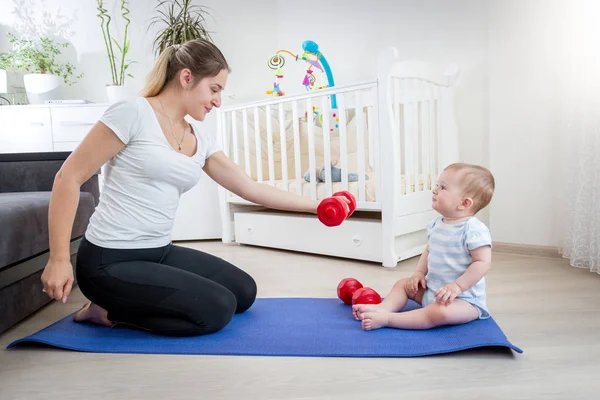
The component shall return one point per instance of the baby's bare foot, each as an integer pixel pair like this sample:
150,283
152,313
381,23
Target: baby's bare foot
375,320
92,313
359,309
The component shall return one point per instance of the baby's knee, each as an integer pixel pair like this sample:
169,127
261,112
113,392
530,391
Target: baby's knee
438,314
401,284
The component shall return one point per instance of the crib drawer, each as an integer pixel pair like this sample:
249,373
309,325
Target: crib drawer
359,239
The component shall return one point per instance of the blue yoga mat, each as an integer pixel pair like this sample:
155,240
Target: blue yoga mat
309,327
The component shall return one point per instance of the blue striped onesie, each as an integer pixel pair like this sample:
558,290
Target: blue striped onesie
449,258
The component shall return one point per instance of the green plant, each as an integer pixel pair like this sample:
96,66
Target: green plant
182,21
37,57
118,72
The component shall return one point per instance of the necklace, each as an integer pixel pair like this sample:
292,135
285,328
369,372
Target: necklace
171,125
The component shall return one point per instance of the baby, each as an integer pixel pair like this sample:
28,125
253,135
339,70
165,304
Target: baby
449,280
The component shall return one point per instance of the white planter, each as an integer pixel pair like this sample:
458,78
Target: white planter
42,87
116,93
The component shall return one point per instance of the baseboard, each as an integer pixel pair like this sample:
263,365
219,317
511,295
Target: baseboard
526,249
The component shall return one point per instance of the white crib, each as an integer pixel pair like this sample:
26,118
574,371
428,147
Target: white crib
397,133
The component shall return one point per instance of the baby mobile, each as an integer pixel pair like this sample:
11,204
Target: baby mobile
314,60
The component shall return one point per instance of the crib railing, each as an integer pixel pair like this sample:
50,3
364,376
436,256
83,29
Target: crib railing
287,141
419,116
416,111
397,154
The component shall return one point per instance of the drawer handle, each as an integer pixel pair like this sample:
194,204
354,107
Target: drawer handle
356,240
36,123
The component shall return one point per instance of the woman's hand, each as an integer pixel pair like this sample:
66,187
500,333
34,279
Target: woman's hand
57,279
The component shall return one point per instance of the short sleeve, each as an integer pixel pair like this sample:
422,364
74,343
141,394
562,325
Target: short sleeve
477,235
208,144
212,146
122,118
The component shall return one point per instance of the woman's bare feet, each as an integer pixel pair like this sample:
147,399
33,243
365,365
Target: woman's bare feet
92,313
358,309
375,320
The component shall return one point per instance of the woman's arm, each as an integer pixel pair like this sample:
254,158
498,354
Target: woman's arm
97,147
233,178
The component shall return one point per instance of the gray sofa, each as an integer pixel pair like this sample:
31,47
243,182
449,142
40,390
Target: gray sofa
25,186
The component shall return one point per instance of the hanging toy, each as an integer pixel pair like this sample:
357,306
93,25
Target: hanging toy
276,62
314,59
309,79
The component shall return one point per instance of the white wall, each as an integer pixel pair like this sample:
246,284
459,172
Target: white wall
526,58
249,32
506,101
352,33
244,42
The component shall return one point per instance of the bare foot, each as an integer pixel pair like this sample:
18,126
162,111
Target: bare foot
92,313
359,309
375,320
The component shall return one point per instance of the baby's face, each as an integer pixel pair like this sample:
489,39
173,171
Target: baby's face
448,193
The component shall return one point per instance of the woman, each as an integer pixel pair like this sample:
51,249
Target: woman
126,263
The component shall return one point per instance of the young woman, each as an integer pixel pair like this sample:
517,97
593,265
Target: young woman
126,263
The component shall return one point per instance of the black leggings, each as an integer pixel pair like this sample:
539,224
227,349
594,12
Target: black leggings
171,290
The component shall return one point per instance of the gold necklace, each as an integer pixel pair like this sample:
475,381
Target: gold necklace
171,125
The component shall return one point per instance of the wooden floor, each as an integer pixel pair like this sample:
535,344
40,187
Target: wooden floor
550,310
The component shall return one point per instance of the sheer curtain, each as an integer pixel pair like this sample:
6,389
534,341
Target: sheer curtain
581,139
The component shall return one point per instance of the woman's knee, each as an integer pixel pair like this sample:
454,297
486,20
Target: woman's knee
218,314
246,293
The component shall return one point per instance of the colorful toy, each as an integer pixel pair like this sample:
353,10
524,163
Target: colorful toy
314,59
276,63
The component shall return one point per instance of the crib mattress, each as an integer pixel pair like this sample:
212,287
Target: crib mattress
353,187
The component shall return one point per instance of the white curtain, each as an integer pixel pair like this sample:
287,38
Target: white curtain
581,139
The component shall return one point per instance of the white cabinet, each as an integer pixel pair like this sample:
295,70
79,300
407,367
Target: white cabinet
70,125
44,128
25,129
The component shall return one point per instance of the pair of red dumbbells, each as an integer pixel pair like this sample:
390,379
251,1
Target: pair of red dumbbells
351,291
332,211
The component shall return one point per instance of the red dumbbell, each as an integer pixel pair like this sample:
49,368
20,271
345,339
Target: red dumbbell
332,211
346,289
366,295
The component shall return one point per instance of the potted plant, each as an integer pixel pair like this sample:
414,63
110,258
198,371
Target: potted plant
45,74
182,21
116,90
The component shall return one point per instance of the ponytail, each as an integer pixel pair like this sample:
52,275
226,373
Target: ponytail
200,56
158,77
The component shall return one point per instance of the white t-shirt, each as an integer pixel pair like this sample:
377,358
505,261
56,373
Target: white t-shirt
142,184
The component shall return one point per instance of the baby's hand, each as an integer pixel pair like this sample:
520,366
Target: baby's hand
412,285
447,293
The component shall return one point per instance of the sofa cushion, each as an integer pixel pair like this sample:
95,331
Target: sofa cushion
24,222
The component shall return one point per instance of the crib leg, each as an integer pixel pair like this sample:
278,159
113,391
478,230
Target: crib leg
389,257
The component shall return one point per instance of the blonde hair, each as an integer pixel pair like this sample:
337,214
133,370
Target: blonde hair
200,56
478,183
